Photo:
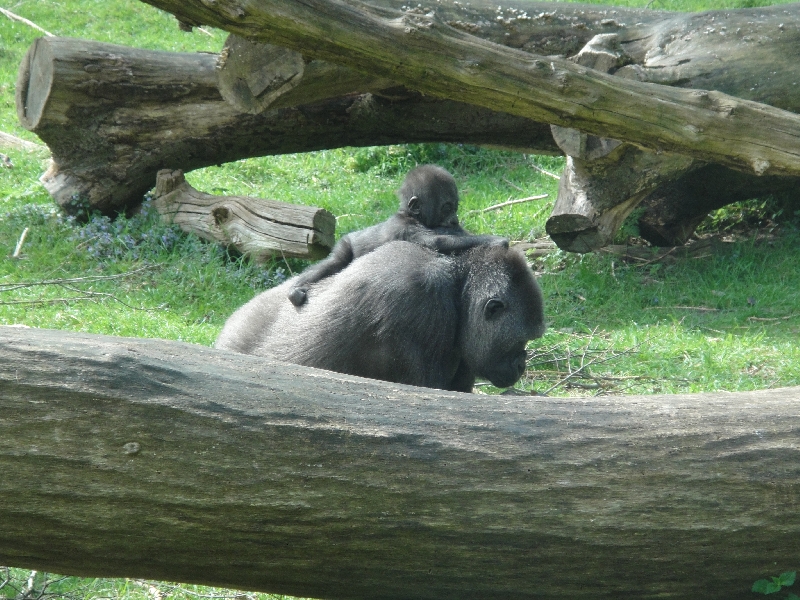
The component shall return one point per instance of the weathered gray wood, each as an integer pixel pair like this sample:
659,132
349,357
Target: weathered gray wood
733,51
604,179
601,186
255,77
256,227
422,51
164,460
114,116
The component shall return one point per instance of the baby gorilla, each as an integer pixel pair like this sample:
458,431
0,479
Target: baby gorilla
427,216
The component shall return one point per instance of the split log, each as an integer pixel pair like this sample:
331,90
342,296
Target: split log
425,53
114,116
164,460
255,227
588,211
603,179
598,189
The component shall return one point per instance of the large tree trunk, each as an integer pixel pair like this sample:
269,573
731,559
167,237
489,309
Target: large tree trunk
423,52
114,116
164,460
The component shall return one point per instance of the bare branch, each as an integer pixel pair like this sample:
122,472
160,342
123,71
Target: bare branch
509,203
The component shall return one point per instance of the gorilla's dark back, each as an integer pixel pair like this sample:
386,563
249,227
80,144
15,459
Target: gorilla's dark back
405,314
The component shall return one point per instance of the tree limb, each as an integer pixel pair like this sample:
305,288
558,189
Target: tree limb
421,51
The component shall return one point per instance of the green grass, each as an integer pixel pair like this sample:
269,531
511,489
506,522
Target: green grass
728,319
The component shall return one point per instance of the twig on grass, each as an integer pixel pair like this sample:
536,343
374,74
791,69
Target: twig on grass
772,318
15,17
515,186
46,301
697,308
66,284
7,287
572,368
544,172
11,141
21,241
509,203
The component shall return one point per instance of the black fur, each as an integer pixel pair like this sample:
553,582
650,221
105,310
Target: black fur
405,314
427,216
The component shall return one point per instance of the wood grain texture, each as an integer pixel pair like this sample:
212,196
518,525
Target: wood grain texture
157,459
419,49
256,227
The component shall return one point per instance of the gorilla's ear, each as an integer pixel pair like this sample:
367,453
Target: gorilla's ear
492,307
413,205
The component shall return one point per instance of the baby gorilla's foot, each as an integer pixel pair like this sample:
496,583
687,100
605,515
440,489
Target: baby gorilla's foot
298,296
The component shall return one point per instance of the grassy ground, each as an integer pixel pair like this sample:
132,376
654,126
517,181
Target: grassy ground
724,317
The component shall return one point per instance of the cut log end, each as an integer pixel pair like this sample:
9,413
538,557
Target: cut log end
34,82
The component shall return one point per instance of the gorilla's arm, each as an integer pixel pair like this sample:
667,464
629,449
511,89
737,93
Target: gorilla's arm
463,380
449,240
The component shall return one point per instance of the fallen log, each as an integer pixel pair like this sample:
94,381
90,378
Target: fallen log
423,52
255,77
721,50
114,116
673,211
599,188
255,227
147,458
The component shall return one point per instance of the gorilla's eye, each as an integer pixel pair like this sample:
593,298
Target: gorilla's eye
447,208
493,307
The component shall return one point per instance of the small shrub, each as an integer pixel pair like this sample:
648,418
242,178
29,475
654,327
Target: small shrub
775,584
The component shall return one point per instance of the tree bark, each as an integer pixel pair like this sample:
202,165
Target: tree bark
255,227
148,458
425,53
255,77
673,211
114,116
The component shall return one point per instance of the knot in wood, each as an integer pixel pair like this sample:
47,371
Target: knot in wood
221,215
760,166
132,448
414,19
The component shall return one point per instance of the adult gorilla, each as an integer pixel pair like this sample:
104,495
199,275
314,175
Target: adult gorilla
405,314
